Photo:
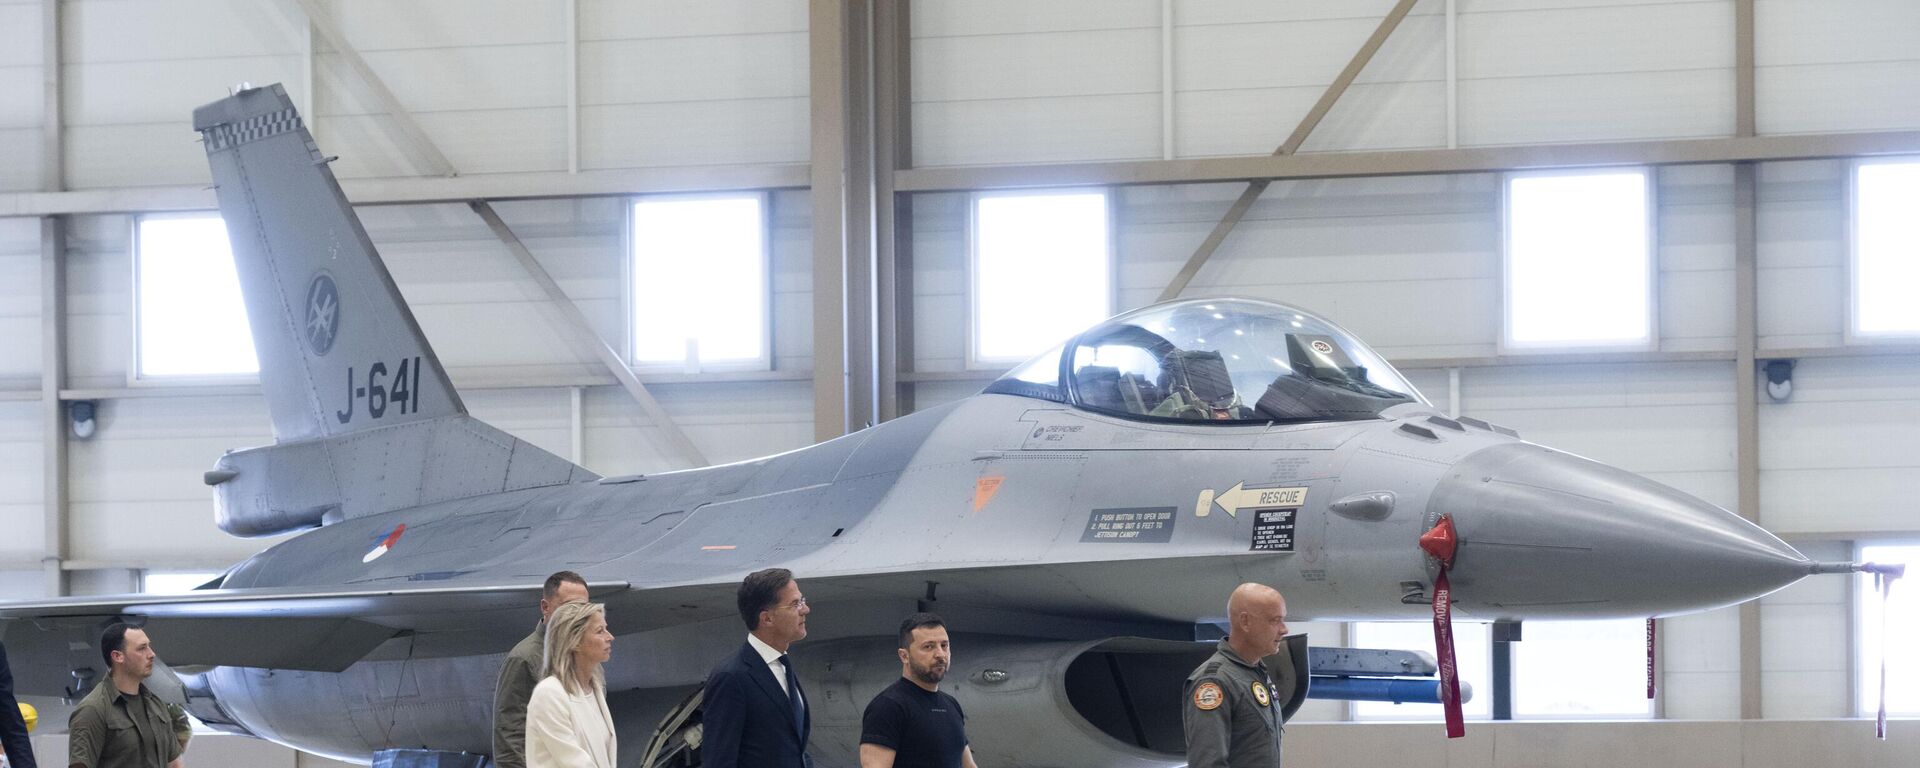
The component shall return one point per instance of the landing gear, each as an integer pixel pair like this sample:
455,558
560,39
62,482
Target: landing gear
676,742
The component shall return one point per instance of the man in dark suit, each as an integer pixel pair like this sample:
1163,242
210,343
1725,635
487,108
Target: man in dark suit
13,730
755,712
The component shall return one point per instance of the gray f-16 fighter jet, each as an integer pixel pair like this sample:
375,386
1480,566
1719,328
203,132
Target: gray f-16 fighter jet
1075,522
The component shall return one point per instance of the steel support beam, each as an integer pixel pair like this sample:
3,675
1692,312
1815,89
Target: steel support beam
53,174
53,317
861,219
1416,162
827,60
573,86
1339,87
1746,302
418,145
432,189
1747,414
53,413
1313,165
893,213
1221,229
583,334
1331,96
1744,111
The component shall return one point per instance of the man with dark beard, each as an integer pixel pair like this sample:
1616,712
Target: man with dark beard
122,723
912,724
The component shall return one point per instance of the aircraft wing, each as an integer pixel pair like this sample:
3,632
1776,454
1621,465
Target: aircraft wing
280,628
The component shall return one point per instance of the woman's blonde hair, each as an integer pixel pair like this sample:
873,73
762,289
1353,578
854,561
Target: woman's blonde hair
565,629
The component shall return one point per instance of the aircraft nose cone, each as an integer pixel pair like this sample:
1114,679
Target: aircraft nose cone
1544,532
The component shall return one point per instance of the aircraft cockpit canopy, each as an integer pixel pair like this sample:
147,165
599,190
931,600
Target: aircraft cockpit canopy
1218,361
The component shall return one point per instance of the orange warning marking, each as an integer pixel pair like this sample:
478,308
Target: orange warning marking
718,548
984,489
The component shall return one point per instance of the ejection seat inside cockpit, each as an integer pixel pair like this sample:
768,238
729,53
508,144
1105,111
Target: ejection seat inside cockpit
1198,387
1106,388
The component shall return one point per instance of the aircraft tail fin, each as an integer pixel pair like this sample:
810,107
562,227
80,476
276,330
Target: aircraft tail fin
339,350
365,420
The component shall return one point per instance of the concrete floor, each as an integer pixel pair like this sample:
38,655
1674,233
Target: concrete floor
1596,744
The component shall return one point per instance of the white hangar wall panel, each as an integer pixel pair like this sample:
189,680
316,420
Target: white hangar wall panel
1841,457
1410,264
729,422
1836,65
580,243
1802,254
791,272
1541,71
710,83
1806,644
477,305
1361,252
1670,422
1074,83
1246,72
133,71
486,80
22,529
940,286
21,492
1699,662
19,303
136,496
99,266
1009,81
21,96
21,584
1694,253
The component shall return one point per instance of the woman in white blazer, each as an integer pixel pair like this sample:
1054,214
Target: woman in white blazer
568,725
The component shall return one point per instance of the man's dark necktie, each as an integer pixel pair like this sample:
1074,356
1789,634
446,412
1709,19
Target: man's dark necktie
793,696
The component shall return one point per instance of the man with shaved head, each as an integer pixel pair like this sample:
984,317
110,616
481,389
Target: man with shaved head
1231,716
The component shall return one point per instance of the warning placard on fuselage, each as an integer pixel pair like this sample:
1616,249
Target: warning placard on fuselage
1273,529
1136,525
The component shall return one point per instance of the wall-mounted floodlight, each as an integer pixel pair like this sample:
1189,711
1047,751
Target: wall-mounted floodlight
81,413
1779,380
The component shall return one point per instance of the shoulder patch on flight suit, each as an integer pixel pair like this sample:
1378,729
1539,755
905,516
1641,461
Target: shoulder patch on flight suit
1207,696
1260,694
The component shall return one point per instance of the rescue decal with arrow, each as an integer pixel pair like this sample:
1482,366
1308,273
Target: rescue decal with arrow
1240,497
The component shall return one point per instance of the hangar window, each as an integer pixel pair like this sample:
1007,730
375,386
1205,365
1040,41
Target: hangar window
189,320
1578,260
1608,680
174,582
1473,649
1902,617
1040,271
1885,253
699,282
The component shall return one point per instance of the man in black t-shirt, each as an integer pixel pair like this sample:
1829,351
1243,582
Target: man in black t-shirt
912,724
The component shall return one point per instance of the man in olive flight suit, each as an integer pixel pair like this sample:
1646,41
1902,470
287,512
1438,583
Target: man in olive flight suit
522,672
1233,712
